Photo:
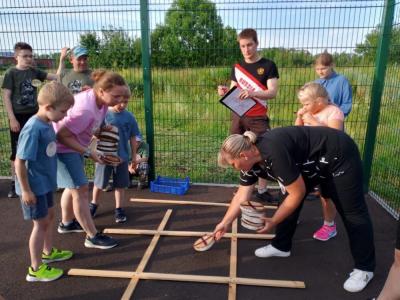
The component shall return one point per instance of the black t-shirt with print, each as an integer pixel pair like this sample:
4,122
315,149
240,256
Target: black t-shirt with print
317,153
262,70
23,92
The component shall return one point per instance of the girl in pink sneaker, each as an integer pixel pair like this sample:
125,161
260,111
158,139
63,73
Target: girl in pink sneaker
317,110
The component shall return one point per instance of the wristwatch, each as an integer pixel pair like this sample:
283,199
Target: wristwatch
87,153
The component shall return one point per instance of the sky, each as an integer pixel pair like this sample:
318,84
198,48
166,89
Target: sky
308,25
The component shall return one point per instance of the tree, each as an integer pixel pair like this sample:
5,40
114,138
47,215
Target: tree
91,42
115,49
193,35
368,49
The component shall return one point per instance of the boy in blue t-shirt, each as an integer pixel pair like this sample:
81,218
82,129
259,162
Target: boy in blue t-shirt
20,87
36,170
128,130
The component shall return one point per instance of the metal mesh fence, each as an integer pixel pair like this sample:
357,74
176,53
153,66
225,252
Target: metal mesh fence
385,175
192,50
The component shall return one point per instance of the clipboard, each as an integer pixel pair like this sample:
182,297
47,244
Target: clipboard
232,101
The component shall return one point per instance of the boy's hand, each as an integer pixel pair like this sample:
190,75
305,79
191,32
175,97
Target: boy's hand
222,90
14,125
28,197
132,167
244,94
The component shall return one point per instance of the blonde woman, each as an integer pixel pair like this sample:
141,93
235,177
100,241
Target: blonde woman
300,158
317,110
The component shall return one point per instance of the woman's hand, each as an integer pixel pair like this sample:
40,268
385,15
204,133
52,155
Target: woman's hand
96,156
220,230
268,226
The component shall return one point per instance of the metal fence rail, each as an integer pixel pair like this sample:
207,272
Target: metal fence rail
192,50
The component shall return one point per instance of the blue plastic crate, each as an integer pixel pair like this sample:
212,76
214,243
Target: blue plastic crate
168,185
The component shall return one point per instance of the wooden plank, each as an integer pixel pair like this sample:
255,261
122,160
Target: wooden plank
222,279
101,273
271,283
233,262
132,284
185,202
254,236
188,278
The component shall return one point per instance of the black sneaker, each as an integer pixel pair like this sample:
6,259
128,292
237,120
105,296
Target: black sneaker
267,197
73,227
120,216
100,241
93,207
12,193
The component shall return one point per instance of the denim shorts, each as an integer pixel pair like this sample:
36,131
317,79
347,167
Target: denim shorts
120,175
70,171
40,209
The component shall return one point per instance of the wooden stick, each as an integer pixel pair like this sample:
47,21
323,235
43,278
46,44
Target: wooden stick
184,202
135,279
233,262
188,278
186,233
101,273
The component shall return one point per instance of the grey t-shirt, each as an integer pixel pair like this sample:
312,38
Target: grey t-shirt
23,93
74,81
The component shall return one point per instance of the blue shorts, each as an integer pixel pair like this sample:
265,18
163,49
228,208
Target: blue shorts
40,209
70,170
120,175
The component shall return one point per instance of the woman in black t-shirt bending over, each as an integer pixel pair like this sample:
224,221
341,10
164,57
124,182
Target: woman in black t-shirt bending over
299,158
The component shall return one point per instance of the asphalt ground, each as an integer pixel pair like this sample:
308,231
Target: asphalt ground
323,266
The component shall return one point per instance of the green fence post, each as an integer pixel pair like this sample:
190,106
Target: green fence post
377,89
146,63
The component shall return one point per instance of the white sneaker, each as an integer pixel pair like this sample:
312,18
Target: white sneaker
270,251
357,281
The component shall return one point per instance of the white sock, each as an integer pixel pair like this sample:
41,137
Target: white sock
68,223
329,223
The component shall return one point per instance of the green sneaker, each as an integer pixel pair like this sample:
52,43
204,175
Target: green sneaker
56,255
44,274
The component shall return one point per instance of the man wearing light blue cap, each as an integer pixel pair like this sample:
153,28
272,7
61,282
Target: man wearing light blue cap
77,79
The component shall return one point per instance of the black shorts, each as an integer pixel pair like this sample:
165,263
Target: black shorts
258,125
22,119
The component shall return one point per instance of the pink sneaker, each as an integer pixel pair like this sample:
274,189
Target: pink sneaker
325,233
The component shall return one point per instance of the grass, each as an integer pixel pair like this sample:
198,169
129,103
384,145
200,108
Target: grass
190,124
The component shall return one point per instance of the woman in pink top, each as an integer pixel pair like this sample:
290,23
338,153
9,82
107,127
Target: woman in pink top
74,134
317,110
